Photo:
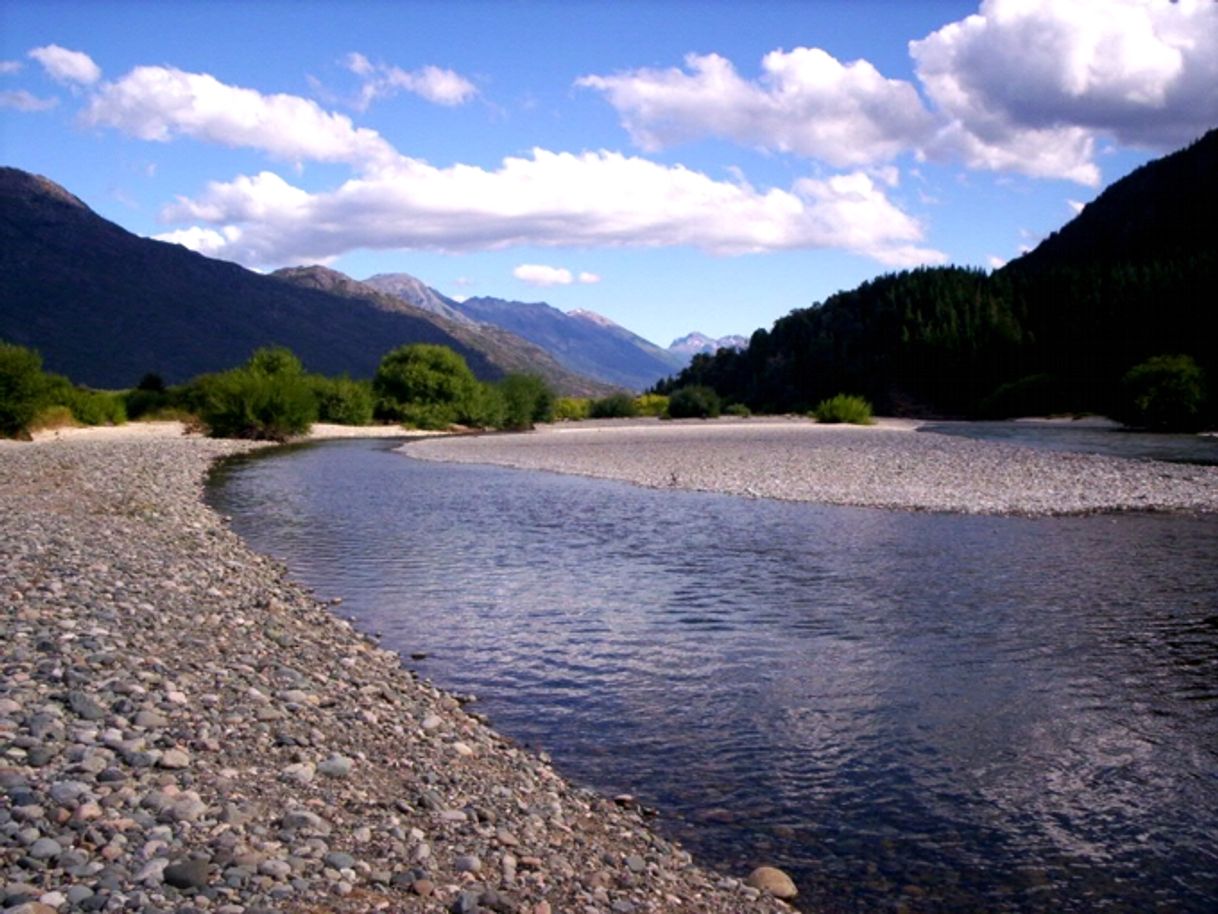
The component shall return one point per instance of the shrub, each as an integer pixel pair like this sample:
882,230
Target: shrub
693,402
1165,393
95,407
737,409
1034,395
270,397
425,385
614,406
651,404
572,408
21,388
342,401
48,417
141,403
526,400
844,408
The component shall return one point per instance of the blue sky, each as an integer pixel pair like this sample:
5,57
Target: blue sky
674,166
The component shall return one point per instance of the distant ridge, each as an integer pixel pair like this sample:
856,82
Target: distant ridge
105,306
583,342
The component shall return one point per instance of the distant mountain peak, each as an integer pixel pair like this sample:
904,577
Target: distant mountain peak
694,343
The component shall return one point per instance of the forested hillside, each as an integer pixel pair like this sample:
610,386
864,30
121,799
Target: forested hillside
1130,278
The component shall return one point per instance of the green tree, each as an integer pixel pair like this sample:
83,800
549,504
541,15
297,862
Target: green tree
21,387
696,401
426,385
269,397
1166,393
526,401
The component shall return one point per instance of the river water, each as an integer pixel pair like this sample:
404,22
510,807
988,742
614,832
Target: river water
917,711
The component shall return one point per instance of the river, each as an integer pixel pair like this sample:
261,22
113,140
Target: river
949,713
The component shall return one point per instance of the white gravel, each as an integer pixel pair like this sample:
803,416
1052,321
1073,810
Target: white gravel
882,466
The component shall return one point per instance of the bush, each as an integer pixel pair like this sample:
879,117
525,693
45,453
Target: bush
21,387
614,406
94,407
427,386
49,417
526,400
572,409
1165,393
342,401
693,402
270,398
844,408
1034,395
737,409
651,404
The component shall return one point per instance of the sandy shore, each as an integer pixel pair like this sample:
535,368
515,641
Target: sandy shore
182,729
887,465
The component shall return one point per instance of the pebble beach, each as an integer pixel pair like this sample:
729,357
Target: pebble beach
182,729
888,465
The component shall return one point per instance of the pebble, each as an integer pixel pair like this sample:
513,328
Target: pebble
186,730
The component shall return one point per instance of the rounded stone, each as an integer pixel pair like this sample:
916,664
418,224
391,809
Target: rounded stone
774,881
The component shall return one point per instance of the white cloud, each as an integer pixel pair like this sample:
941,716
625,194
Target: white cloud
436,85
8,67
1076,206
67,66
588,279
996,262
203,240
159,103
536,274
1025,85
20,100
595,199
805,102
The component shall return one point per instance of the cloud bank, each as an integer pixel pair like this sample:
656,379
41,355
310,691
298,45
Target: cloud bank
1023,86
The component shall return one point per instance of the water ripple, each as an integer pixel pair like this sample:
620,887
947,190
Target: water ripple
946,713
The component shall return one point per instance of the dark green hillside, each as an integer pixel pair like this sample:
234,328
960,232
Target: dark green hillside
1056,330
104,306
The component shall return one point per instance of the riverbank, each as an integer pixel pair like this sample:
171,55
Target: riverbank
184,729
882,466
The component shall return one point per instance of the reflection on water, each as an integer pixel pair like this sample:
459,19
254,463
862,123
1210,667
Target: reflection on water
953,713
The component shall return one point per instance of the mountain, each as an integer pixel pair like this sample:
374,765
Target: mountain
105,306
506,351
417,293
581,341
695,343
1131,277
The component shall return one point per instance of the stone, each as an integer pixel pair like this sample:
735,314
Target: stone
336,766
187,874
174,759
467,863
774,881
45,849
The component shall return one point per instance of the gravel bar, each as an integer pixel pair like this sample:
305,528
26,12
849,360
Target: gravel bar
883,466
182,729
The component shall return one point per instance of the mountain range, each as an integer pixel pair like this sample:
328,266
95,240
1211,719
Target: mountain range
105,307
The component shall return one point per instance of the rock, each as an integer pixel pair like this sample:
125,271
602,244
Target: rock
174,759
187,874
467,863
336,766
45,849
774,881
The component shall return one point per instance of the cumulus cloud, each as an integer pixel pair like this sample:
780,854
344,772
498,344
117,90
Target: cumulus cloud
1025,85
8,67
536,274
437,85
805,101
203,240
160,103
551,199
20,100
67,66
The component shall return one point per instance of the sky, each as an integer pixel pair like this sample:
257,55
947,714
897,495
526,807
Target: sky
674,166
